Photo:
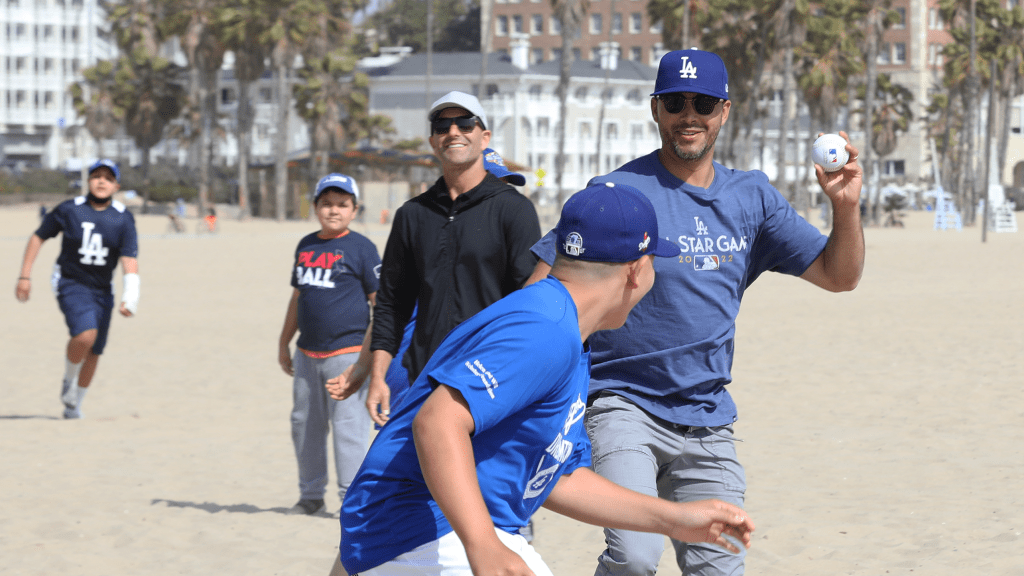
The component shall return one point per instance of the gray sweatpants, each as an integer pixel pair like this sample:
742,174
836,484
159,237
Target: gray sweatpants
657,458
315,414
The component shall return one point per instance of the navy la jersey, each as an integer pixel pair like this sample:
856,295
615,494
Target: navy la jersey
334,278
93,240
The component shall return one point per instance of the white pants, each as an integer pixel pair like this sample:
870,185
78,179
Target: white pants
447,557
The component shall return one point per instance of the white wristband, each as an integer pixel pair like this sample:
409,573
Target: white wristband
130,296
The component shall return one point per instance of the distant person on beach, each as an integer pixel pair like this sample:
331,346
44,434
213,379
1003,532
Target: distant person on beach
452,251
492,428
334,283
659,415
98,232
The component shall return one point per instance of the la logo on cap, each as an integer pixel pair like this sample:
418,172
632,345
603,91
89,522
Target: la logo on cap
645,243
688,70
574,245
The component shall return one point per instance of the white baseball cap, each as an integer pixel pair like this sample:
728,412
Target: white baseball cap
456,99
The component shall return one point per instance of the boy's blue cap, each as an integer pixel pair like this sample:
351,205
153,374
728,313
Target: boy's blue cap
495,165
106,163
692,71
342,182
609,222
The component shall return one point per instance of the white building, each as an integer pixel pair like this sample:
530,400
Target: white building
44,46
523,109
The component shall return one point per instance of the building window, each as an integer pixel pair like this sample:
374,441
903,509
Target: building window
596,23
535,92
554,26
899,53
575,53
884,50
935,19
635,22
48,100
595,54
634,97
501,26
617,23
635,53
75,63
537,24
266,94
608,95
517,23
656,27
536,56
227,96
586,131
895,168
74,33
611,131
543,127
581,94
901,21
636,132
47,32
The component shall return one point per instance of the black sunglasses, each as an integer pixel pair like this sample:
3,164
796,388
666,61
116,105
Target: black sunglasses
466,124
702,103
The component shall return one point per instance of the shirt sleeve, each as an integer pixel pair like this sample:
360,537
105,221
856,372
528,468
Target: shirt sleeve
398,288
786,242
51,225
522,231
130,237
493,375
370,273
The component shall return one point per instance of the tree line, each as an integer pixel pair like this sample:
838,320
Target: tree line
825,54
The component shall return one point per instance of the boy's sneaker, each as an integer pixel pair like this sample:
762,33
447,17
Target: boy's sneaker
72,413
307,507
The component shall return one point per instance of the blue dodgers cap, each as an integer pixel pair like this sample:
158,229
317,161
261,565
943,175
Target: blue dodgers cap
610,222
692,71
495,165
106,163
340,181
456,99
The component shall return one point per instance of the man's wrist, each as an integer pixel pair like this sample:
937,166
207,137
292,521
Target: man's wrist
24,278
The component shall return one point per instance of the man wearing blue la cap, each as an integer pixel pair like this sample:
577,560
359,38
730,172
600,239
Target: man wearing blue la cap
483,439
659,416
98,232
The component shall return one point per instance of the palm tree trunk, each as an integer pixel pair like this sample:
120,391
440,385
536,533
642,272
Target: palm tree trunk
565,66
284,98
869,115
787,74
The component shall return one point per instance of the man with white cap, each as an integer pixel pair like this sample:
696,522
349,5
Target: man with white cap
484,438
453,250
659,415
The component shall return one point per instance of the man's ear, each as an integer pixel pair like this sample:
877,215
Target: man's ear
633,273
654,109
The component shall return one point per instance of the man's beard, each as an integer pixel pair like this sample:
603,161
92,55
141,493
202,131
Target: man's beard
683,155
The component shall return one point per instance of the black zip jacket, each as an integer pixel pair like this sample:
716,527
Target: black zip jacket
455,258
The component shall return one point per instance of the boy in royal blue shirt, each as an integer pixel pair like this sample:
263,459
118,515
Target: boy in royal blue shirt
492,427
334,280
97,232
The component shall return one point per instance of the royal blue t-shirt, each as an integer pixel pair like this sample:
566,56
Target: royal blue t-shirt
673,357
93,241
523,370
334,277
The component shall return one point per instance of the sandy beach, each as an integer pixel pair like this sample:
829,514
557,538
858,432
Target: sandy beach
883,429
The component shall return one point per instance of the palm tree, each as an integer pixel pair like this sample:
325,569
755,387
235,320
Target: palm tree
241,27
570,15
194,22
789,28
93,99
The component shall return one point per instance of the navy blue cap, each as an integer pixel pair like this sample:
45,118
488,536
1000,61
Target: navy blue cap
692,71
610,222
342,182
495,165
106,163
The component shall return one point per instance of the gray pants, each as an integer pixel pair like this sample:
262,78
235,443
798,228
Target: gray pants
654,457
315,414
